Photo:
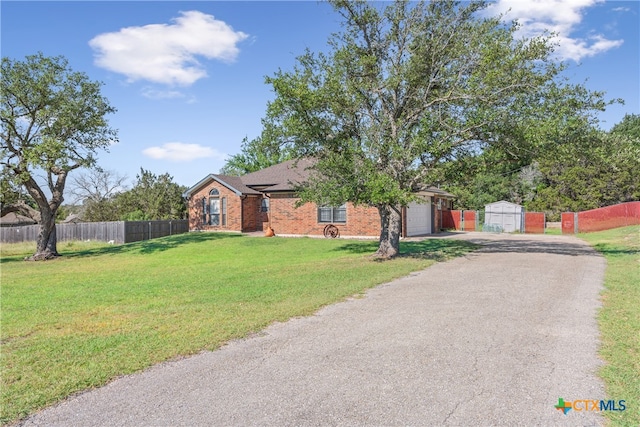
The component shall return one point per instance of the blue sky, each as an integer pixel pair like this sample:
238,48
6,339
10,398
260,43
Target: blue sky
187,78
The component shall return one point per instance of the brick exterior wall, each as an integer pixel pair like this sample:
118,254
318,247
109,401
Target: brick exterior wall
286,219
234,209
244,215
253,219
440,214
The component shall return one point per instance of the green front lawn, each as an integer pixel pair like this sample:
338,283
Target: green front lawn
619,319
103,311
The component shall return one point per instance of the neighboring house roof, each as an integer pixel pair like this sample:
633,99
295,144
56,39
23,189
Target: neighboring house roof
14,219
73,218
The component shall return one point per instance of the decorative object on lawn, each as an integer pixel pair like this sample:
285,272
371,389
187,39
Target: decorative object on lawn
331,231
269,232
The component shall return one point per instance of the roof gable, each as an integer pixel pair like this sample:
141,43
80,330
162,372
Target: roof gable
233,183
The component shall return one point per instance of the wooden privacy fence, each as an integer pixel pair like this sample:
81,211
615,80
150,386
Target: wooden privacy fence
599,219
116,231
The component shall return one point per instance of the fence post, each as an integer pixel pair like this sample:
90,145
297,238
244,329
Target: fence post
576,229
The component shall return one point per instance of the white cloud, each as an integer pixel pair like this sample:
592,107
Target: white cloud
181,152
561,17
152,93
167,53
621,9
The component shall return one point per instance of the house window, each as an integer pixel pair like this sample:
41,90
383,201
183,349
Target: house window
332,214
224,211
264,205
214,211
214,207
204,210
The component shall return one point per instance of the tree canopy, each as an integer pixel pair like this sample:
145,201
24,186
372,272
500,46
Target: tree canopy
53,121
405,89
104,197
153,197
256,154
579,168
95,190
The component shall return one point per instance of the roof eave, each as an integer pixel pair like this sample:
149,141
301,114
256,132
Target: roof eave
211,177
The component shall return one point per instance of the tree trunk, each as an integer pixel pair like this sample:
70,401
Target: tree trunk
46,246
391,227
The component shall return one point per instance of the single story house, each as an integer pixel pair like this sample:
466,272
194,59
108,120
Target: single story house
13,219
267,197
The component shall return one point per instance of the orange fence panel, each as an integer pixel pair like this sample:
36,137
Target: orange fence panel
534,222
469,218
451,219
609,217
568,223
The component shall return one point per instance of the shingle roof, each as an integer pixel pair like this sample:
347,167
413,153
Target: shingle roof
13,218
281,177
235,183
436,192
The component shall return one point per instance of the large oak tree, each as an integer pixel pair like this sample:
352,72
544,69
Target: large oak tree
53,121
405,88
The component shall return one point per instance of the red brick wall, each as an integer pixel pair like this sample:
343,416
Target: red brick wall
233,222
442,217
286,219
244,214
252,217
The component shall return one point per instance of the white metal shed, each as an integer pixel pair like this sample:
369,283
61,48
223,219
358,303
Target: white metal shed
503,216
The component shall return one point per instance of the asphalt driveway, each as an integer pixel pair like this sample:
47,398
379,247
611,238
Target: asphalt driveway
492,338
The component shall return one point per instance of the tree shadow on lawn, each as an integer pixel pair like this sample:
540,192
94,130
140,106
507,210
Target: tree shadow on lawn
160,244
435,249
532,246
616,250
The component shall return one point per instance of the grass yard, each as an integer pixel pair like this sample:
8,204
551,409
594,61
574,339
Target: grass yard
619,319
553,231
101,311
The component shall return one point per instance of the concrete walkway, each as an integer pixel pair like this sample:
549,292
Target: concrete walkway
492,338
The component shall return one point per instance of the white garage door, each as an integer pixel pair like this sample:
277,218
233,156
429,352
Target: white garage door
418,219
